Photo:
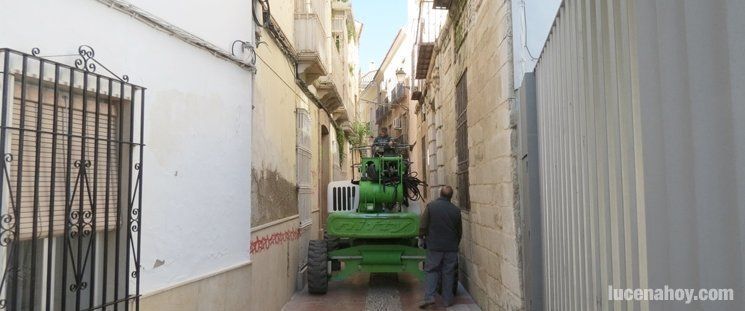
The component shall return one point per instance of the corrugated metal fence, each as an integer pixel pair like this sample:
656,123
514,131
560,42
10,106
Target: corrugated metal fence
641,132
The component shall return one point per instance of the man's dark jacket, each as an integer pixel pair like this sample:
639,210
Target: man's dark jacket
441,224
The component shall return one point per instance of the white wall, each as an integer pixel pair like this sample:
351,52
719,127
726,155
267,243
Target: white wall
197,165
401,58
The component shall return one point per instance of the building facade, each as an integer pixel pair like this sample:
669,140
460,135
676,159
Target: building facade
306,95
130,126
467,120
216,184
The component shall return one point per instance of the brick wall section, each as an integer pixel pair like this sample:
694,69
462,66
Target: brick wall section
490,264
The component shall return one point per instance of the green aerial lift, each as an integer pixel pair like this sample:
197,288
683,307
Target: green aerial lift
369,228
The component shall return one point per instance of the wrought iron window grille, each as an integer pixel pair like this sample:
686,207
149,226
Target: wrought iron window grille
70,184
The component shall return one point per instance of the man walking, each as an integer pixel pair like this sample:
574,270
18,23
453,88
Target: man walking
441,228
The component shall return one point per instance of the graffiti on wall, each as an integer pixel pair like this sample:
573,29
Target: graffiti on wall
263,243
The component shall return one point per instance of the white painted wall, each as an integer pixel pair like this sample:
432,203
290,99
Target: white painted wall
197,164
400,58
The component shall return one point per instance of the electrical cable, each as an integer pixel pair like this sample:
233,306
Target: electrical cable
411,186
525,33
253,12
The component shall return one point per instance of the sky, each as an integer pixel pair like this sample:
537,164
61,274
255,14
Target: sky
382,19
535,17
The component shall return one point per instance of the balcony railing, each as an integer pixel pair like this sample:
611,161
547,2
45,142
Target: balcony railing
311,36
341,4
334,88
381,113
429,25
399,93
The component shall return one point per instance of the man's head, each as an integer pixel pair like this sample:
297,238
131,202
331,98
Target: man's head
383,131
446,192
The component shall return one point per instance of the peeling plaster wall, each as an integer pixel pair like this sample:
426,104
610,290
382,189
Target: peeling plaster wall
273,195
274,137
197,163
274,184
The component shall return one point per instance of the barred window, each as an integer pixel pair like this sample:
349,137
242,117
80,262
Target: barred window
70,184
461,140
64,116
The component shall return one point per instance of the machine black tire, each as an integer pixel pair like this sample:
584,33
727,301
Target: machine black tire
318,274
332,244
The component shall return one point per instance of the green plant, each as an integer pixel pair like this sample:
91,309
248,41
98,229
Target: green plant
351,32
341,140
360,132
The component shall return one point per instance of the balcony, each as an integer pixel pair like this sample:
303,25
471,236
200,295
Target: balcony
311,40
441,4
399,94
381,113
341,5
333,89
428,30
424,57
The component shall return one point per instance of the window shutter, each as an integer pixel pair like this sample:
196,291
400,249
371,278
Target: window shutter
92,177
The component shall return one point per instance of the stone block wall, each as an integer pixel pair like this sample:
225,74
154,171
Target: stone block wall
490,264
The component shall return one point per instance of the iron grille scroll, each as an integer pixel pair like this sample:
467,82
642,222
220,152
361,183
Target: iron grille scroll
70,184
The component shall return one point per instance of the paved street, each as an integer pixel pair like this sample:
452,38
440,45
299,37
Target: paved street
377,292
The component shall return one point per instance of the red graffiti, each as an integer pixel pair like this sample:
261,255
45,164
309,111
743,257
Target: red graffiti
264,243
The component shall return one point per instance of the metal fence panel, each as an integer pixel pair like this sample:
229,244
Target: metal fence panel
641,153
587,163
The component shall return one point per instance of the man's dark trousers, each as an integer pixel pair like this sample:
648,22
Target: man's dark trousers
440,264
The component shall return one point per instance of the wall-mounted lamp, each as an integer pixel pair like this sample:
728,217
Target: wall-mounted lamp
400,75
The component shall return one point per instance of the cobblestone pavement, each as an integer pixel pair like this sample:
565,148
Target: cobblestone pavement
374,293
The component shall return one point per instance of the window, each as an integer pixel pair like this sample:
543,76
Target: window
69,185
304,161
100,175
304,180
461,140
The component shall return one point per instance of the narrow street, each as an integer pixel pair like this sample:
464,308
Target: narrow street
300,155
375,293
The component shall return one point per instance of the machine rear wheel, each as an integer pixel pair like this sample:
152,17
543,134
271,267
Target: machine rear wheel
318,274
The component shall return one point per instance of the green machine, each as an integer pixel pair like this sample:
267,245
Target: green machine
369,228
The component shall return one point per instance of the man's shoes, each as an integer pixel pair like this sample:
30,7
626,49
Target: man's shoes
426,303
